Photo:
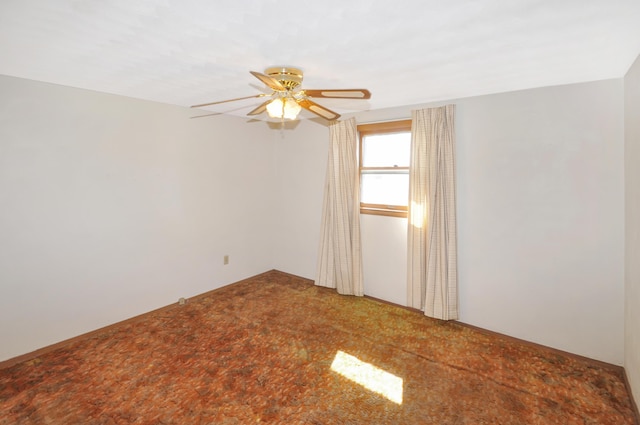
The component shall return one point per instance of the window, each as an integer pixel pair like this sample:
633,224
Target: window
385,149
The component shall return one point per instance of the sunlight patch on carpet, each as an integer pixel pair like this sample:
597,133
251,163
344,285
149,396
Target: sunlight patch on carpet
369,376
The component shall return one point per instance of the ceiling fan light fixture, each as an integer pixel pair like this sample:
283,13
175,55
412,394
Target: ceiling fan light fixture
286,100
283,108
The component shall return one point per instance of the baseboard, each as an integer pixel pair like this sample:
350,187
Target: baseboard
311,281
594,362
49,348
597,363
41,351
634,405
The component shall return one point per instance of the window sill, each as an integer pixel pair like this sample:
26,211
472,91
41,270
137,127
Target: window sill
384,212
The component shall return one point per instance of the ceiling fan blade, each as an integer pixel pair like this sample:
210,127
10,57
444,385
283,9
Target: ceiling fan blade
206,115
269,81
318,110
229,100
260,109
340,93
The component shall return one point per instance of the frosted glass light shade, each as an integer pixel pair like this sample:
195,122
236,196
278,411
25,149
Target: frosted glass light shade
274,109
287,108
291,109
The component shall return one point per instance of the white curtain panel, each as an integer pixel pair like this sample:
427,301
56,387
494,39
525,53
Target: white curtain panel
340,256
432,283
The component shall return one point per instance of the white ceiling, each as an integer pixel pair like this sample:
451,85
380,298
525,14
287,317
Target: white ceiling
406,52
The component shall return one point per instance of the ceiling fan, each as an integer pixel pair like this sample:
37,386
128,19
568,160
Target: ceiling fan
286,101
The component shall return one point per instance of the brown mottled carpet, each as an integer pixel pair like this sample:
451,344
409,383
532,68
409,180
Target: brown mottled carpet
262,350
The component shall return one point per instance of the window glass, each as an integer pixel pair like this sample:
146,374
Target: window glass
385,188
386,150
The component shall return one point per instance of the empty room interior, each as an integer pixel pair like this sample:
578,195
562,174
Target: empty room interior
122,204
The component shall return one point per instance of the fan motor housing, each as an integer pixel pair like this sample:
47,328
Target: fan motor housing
289,77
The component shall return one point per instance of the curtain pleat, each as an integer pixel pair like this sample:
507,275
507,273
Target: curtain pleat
339,255
432,281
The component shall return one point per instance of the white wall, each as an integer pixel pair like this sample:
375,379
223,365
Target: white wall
541,210
541,216
384,257
301,161
632,227
111,207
